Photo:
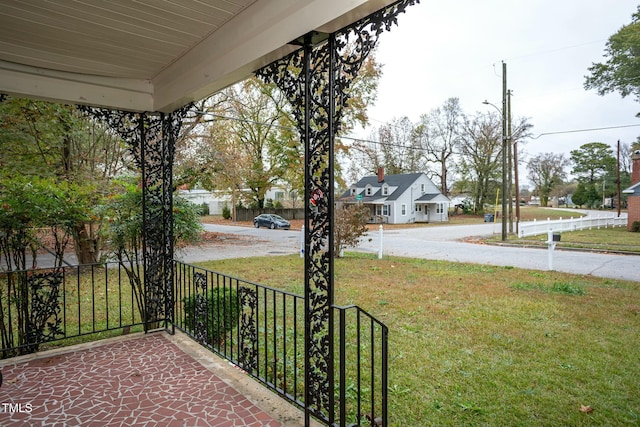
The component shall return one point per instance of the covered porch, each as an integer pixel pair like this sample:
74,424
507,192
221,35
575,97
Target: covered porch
139,68
432,208
136,380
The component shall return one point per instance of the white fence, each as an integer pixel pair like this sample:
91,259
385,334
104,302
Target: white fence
533,228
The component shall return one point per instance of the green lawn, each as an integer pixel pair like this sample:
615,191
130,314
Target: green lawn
527,213
482,345
609,239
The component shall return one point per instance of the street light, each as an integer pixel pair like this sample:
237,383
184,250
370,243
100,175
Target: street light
503,112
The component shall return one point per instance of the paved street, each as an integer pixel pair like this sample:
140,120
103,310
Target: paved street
441,243
420,244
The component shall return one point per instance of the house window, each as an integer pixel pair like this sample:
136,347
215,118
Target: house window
353,191
279,195
385,210
422,188
439,208
385,190
418,208
368,191
404,209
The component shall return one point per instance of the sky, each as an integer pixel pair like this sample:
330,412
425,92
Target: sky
455,48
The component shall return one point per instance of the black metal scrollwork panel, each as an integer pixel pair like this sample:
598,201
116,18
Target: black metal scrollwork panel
156,173
316,80
127,124
151,139
200,308
45,308
171,127
303,76
248,359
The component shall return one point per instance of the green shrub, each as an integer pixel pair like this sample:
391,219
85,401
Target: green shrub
635,226
203,209
222,310
226,212
350,226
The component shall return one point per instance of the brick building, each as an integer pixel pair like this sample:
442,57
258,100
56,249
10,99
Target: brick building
634,190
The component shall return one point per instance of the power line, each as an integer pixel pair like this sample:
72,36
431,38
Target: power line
391,144
554,50
585,130
350,138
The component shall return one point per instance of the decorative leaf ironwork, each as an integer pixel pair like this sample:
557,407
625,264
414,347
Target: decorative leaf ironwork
45,308
151,139
201,306
248,358
316,81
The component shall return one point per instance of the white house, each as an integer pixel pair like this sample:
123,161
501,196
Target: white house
218,199
399,199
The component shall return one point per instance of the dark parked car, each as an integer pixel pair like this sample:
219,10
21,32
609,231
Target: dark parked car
270,220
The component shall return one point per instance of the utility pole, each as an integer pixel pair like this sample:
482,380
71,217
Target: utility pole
618,179
504,151
515,170
504,148
509,161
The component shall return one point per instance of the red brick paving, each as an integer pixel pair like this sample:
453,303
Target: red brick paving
146,381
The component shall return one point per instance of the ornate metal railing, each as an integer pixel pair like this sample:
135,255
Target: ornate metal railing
262,330
258,328
44,305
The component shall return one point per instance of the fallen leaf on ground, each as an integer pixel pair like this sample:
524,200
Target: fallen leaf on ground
586,409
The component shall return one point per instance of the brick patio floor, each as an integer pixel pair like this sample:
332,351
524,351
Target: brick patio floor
143,380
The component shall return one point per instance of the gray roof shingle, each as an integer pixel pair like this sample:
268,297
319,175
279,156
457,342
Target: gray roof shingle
401,181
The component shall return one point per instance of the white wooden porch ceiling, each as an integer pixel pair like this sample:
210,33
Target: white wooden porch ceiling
152,55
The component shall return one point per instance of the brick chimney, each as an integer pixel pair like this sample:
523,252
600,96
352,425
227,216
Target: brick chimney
381,174
635,167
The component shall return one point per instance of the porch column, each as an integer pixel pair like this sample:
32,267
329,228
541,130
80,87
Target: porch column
316,80
151,138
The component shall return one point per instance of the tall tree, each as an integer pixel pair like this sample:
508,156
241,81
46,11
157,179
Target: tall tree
253,121
363,157
625,158
438,134
257,107
621,71
546,172
395,146
238,146
54,140
481,154
398,153
480,162
58,142
592,161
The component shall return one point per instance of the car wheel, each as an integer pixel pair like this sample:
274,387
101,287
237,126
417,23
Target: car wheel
272,226
256,225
